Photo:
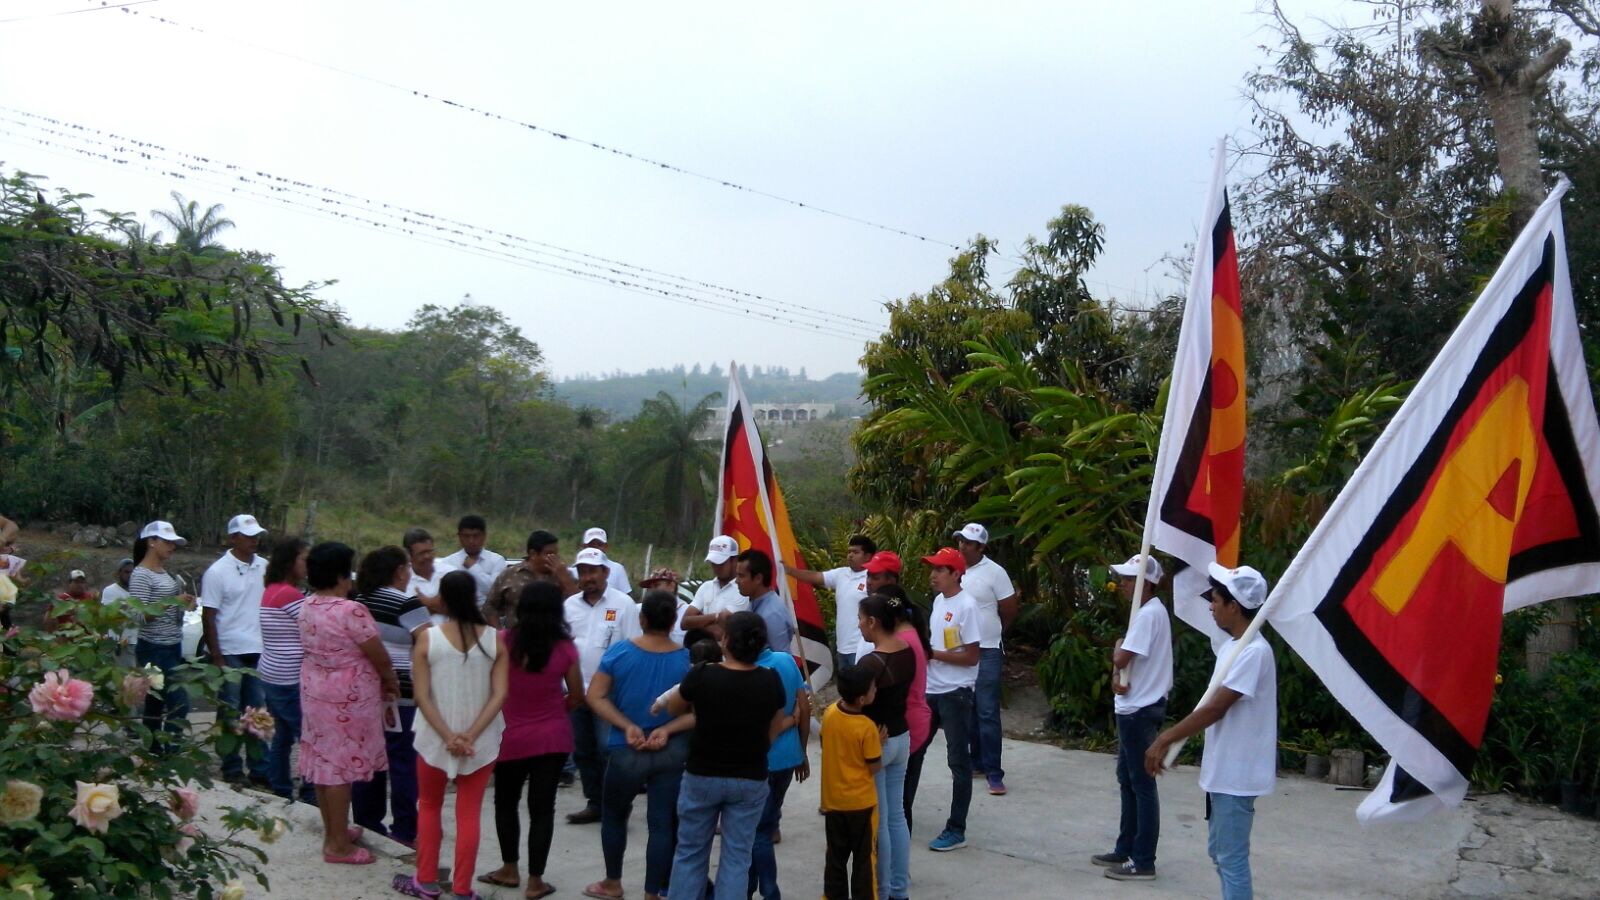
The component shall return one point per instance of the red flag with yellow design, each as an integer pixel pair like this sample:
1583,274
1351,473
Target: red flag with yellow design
1479,498
751,510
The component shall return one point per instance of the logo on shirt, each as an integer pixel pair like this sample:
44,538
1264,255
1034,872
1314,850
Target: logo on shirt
611,615
948,616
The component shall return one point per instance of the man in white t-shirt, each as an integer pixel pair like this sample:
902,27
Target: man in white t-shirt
849,585
991,589
596,538
717,597
1145,654
230,600
483,564
953,630
1240,760
598,616
114,592
426,571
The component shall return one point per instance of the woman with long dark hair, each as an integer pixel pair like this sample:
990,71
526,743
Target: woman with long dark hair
912,627
538,734
159,614
281,655
459,677
893,665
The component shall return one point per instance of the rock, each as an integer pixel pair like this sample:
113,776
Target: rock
128,531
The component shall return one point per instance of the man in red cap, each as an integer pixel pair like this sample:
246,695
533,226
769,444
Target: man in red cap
883,568
952,673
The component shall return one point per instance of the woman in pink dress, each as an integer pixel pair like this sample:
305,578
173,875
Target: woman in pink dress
345,679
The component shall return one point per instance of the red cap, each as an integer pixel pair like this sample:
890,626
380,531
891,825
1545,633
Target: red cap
884,561
950,558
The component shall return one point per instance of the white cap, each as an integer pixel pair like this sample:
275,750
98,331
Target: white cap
1130,569
591,556
76,574
974,532
594,534
245,525
721,549
1243,584
163,530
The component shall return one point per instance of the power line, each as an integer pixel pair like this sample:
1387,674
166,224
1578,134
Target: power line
550,132
72,12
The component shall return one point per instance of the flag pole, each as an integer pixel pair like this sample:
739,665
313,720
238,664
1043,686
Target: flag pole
1125,674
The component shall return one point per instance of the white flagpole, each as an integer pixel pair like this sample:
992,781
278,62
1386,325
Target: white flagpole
1125,674
1222,671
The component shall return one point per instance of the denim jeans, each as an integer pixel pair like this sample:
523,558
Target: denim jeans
396,788
894,834
913,778
1141,807
166,709
984,726
953,713
738,802
233,698
1228,842
283,701
763,859
589,736
660,773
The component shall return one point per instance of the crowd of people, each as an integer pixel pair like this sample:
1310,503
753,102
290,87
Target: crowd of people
395,674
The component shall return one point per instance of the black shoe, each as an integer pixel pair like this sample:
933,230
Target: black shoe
261,781
567,780
1129,872
586,816
1108,859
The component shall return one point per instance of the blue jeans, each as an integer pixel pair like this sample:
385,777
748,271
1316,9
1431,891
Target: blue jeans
283,701
984,726
167,709
659,772
396,788
894,834
1141,807
233,698
953,713
701,801
1228,842
763,859
589,736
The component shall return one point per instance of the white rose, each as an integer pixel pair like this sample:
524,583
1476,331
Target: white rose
271,833
157,678
233,890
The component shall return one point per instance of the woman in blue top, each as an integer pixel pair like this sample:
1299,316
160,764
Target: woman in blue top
786,764
646,749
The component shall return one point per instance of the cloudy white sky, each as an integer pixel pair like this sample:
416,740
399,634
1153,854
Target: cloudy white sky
945,119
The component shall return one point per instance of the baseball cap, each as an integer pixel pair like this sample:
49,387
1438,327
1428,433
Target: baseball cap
721,549
884,561
163,530
594,534
591,556
659,575
76,574
245,525
1130,569
1244,584
125,562
972,531
950,558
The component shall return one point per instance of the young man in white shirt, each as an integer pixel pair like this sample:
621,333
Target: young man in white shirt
598,616
230,600
991,589
1240,760
717,597
618,579
483,564
114,592
849,585
1145,654
426,571
952,672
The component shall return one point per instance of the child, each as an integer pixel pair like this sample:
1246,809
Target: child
851,754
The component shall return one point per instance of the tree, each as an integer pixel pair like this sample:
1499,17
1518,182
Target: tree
670,451
196,232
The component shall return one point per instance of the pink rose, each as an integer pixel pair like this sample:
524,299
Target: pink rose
97,805
258,723
61,697
190,831
135,687
184,803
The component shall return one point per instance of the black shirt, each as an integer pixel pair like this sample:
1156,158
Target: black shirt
895,672
733,710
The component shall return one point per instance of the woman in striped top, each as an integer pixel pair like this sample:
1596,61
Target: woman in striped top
279,665
161,602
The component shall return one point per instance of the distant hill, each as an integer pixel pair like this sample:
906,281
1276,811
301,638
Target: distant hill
621,393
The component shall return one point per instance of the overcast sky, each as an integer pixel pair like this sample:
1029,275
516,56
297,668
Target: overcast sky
944,119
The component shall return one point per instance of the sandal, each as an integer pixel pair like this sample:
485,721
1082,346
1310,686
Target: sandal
497,882
536,895
408,885
361,857
595,891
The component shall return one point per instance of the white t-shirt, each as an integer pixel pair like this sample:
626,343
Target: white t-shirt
420,587
595,628
233,588
849,589
1241,753
111,594
988,584
961,614
616,576
1149,676
488,567
678,631
713,597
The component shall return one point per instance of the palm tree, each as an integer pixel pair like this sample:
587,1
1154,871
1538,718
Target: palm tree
196,231
672,451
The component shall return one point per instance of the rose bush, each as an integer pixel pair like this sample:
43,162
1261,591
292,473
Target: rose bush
87,808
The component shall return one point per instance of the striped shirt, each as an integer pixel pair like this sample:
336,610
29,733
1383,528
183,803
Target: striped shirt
281,650
398,618
163,626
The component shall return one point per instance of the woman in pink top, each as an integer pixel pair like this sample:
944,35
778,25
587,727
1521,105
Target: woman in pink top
538,734
913,629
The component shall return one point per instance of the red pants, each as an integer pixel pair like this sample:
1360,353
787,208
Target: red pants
430,827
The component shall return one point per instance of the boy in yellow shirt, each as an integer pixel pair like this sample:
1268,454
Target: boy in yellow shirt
852,752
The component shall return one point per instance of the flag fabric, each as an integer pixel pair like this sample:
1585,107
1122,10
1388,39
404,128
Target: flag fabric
751,510
1480,497
1197,492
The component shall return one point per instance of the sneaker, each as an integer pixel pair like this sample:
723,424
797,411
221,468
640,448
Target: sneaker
586,816
979,773
1129,872
947,840
997,786
1108,859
